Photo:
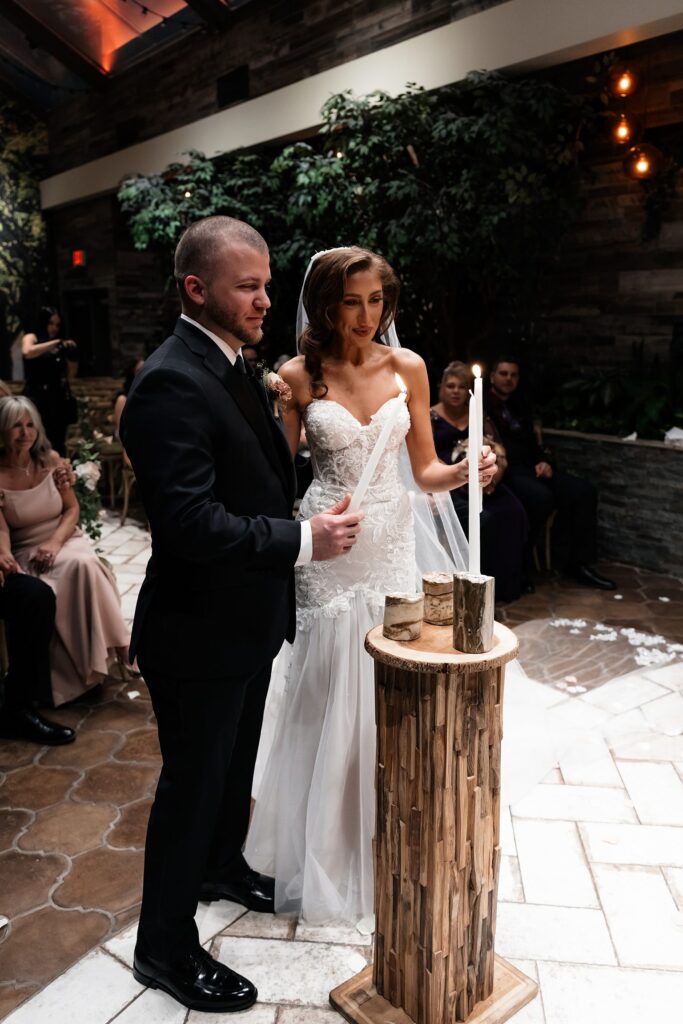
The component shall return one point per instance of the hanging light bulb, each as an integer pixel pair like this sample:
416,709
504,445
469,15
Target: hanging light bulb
623,81
625,130
643,162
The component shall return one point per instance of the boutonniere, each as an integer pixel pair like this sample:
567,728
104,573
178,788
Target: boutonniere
274,383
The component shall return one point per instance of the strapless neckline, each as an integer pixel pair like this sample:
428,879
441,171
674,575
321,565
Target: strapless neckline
333,401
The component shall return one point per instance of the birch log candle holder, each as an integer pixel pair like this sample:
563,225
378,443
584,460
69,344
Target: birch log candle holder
438,592
473,612
403,614
437,845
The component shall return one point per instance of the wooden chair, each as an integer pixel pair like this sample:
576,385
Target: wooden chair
547,544
127,484
4,660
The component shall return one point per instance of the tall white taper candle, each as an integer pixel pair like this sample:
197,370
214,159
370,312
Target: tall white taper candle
376,453
473,488
479,398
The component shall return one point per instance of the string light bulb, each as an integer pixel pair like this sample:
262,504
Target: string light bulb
187,194
643,162
623,82
625,130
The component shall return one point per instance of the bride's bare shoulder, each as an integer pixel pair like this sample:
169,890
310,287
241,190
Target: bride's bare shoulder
294,373
407,362
406,357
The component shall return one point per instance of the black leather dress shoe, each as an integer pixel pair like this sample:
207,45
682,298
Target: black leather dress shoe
27,724
252,890
197,981
590,577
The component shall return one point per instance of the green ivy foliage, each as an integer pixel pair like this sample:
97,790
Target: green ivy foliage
467,191
23,153
631,399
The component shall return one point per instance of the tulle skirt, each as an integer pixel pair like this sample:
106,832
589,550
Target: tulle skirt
314,817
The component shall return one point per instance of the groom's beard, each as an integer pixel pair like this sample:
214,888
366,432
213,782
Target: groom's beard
230,322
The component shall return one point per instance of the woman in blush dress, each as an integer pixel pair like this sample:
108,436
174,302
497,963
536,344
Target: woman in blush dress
315,807
38,527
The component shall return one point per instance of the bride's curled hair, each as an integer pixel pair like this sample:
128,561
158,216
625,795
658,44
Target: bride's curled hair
324,289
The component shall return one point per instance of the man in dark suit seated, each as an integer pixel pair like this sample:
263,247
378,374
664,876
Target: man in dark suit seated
540,486
27,607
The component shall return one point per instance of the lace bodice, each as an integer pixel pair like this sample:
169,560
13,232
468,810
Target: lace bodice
383,558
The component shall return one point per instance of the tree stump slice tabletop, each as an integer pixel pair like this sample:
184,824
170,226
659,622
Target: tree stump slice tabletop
437,843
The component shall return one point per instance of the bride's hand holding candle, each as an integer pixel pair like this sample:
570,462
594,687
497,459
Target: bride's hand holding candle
487,469
487,465
429,472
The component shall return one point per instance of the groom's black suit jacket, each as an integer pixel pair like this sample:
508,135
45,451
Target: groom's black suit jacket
217,482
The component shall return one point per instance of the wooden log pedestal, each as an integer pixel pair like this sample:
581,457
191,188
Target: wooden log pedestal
437,843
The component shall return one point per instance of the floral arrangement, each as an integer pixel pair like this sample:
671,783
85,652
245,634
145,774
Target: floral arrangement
273,383
87,471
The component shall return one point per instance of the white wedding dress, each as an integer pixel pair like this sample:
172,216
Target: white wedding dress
314,816
314,784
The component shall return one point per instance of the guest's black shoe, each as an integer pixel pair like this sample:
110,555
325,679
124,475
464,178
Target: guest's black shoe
252,890
197,981
27,724
590,577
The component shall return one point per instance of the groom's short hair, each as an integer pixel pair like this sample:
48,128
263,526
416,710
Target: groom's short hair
203,242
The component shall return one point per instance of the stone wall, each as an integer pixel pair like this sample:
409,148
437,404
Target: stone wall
280,41
613,291
641,496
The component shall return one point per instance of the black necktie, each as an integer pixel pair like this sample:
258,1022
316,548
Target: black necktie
240,367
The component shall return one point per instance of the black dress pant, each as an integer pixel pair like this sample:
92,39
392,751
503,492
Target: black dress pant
209,732
576,501
27,607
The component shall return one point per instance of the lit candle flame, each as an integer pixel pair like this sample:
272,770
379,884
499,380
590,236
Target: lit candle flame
625,83
643,165
476,370
400,385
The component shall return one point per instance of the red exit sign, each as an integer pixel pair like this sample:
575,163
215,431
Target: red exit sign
78,258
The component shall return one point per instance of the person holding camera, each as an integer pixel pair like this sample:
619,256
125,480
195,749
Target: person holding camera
47,356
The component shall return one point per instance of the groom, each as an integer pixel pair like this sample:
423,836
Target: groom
217,481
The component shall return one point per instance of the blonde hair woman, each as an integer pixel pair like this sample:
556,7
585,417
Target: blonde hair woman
39,529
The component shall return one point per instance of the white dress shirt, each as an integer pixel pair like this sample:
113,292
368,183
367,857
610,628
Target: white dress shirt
306,548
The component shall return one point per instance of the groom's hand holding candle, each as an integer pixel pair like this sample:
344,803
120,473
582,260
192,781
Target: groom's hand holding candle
334,532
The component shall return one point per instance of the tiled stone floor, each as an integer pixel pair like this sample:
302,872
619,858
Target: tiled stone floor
591,895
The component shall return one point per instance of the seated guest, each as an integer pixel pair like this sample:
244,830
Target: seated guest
38,527
503,520
540,486
27,607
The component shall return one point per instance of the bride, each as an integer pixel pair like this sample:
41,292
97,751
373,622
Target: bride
315,809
